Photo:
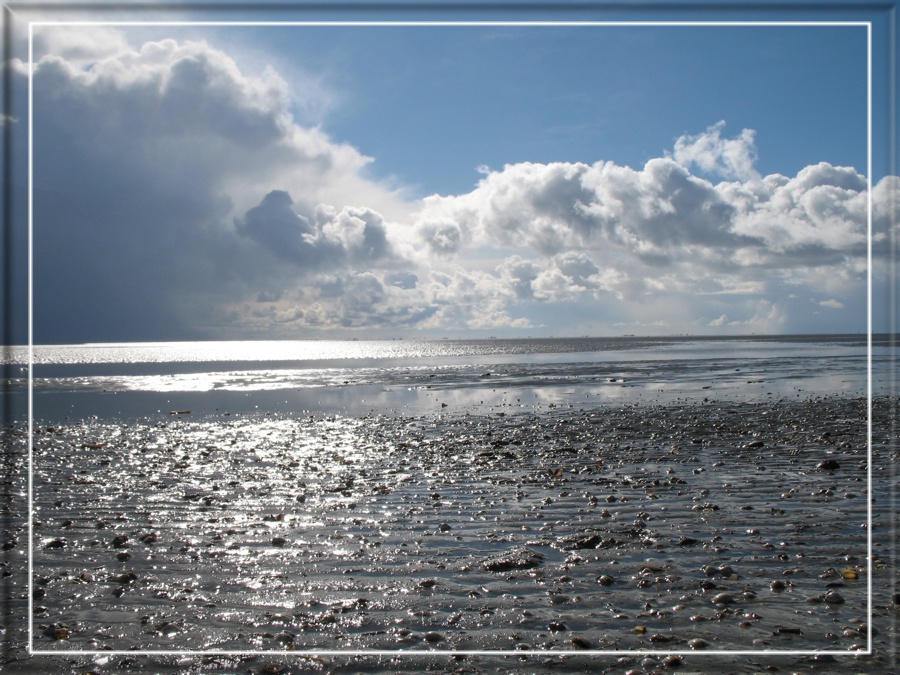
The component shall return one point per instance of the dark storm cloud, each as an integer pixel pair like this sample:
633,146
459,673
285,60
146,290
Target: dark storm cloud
275,226
155,215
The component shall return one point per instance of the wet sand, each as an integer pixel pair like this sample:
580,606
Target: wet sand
679,529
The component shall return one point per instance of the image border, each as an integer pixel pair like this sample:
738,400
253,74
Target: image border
438,652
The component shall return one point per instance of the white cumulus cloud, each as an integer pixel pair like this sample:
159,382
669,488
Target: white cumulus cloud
727,157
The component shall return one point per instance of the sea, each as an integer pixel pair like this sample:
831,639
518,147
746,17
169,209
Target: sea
146,381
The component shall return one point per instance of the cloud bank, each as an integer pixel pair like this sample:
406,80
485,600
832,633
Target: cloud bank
176,196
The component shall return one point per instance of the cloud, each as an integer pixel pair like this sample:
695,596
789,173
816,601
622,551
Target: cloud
169,174
662,222
605,233
185,112
554,208
176,197
326,239
519,275
534,205
78,46
662,213
443,237
820,213
712,154
361,233
275,226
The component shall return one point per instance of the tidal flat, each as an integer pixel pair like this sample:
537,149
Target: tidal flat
661,534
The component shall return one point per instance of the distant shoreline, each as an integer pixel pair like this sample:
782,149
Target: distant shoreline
482,338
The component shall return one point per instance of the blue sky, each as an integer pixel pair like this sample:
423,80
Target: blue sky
499,95
464,97
226,182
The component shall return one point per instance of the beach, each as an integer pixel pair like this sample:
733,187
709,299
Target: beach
568,505
660,533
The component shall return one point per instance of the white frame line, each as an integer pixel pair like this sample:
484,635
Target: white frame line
379,652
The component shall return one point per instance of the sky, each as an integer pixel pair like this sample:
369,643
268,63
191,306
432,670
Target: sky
238,182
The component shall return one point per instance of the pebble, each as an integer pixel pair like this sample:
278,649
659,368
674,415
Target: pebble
698,643
57,632
828,465
520,558
285,637
785,630
580,541
833,598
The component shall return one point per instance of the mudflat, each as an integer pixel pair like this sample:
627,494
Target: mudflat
620,538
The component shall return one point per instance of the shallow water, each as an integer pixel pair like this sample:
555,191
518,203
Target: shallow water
414,377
